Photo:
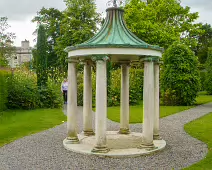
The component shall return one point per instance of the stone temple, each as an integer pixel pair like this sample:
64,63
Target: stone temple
116,43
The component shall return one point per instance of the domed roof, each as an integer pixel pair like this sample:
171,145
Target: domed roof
115,35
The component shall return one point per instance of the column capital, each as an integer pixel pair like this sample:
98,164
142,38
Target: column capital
125,63
86,61
154,59
100,58
72,60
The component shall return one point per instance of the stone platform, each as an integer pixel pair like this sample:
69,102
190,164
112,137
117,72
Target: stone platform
120,145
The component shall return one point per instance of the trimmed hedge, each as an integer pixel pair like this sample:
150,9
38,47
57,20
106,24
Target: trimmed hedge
4,75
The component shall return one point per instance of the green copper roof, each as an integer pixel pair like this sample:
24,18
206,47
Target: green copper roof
114,33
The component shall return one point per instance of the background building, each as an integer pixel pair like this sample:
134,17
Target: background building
22,55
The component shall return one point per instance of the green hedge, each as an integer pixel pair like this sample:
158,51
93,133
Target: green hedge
4,75
135,91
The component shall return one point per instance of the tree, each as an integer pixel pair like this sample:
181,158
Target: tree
161,22
41,57
209,72
6,41
78,25
204,41
180,76
50,18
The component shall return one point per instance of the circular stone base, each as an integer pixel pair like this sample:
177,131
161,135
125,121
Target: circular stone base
120,145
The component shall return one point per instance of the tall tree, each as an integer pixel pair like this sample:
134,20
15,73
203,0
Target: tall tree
78,25
204,41
41,57
162,22
179,76
6,42
50,18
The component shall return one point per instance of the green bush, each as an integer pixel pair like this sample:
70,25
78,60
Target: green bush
4,76
50,96
208,85
23,92
180,76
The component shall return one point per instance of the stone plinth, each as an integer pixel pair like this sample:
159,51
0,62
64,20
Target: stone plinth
119,145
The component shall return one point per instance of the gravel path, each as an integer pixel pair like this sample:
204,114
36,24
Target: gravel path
45,150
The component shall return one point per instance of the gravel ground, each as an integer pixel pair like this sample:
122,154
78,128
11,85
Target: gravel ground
45,150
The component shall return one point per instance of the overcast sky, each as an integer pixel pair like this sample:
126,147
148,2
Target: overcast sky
21,12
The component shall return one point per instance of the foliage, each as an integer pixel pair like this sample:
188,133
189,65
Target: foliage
6,40
4,76
51,19
16,124
50,96
78,25
23,92
180,76
202,130
41,57
204,41
202,80
136,87
135,91
162,22
209,71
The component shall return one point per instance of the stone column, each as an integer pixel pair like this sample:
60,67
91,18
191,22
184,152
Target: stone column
72,103
148,104
124,115
87,100
101,106
157,102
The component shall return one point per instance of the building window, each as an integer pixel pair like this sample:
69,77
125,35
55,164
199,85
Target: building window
15,57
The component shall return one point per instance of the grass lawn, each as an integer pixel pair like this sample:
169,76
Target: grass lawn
15,124
202,130
136,112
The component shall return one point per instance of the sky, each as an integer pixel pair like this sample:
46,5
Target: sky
22,11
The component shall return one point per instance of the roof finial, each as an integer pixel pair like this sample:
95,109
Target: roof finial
115,3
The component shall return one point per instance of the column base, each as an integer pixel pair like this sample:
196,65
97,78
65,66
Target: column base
146,146
157,137
102,149
88,133
124,131
72,140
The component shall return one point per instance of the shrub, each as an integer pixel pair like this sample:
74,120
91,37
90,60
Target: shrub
4,76
209,72
50,96
22,91
180,76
